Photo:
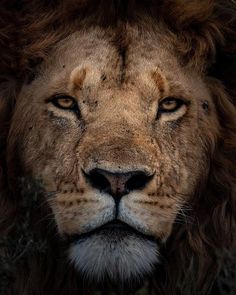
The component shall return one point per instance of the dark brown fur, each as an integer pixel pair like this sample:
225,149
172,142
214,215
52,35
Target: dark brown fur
203,32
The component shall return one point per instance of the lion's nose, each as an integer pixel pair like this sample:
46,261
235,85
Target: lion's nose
117,184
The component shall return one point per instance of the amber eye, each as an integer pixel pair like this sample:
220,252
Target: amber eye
170,104
64,102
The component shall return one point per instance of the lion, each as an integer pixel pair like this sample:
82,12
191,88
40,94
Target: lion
123,110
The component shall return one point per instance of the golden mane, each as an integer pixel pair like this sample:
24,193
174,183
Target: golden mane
204,34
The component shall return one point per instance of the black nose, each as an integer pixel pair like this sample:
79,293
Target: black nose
118,184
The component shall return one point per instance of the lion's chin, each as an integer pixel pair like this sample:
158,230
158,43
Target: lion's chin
116,254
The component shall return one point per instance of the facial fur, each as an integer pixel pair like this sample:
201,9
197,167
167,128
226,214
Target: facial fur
116,134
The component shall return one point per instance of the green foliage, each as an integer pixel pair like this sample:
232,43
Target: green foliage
21,242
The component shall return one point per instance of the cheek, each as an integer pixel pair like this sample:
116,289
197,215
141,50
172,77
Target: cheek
184,160
48,150
151,214
79,212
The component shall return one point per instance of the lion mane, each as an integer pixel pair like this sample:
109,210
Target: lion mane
204,34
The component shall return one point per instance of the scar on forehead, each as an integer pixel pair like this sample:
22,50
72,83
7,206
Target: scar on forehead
159,81
86,75
77,78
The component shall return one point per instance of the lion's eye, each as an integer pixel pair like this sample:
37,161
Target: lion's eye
170,104
64,102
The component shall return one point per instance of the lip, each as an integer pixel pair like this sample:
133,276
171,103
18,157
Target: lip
115,224
112,226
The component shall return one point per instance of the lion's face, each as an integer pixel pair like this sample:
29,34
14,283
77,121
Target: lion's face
122,137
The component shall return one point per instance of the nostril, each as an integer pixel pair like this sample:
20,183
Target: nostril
98,180
138,181
117,184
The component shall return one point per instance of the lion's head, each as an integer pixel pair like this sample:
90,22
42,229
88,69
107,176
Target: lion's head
134,144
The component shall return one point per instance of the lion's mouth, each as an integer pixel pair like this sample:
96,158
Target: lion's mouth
114,251
114,227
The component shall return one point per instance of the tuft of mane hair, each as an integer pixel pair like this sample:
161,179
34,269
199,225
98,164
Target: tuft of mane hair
204,34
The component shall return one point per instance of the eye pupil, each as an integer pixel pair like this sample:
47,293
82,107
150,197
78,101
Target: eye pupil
170,104
67,103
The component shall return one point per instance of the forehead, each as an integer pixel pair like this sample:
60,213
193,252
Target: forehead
145,59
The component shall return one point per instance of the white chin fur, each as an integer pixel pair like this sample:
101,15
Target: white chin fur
118,258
